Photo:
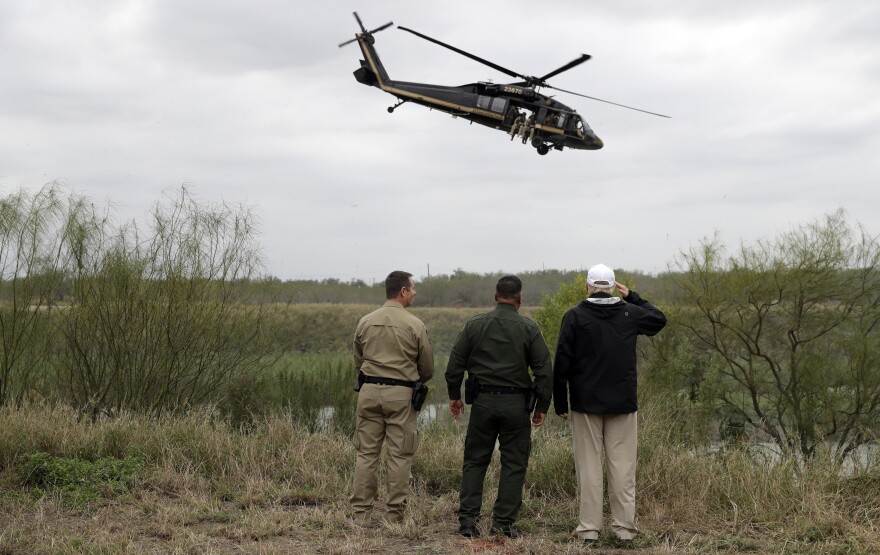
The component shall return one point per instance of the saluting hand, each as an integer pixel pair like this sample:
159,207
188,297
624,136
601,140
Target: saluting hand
456,408
538,419
624,290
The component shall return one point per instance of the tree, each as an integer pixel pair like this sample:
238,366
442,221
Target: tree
38,236
788,331
159,323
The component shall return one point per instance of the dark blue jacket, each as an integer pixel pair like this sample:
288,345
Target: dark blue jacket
596,354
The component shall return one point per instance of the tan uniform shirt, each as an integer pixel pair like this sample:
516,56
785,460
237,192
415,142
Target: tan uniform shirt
392,343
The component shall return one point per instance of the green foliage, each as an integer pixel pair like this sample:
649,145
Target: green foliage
458,289
567,296
36,247
317,391
153,318
80,481
785,334
157,324
329,328
554,307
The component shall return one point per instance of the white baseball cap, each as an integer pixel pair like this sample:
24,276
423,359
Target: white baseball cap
600,276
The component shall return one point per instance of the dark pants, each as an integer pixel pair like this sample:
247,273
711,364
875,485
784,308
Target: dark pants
502,418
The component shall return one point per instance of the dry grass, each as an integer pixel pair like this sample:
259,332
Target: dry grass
207,488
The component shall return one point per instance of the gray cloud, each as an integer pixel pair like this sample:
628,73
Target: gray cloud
776,111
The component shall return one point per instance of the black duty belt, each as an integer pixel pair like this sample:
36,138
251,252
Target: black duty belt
503,390
388,381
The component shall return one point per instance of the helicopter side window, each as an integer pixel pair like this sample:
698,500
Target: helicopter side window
498,105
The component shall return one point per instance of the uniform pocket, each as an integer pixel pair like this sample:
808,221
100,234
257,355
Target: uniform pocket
410,442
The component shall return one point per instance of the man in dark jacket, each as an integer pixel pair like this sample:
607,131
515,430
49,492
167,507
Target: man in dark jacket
596,364
497,349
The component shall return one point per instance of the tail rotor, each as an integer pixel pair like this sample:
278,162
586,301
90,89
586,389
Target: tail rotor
364,32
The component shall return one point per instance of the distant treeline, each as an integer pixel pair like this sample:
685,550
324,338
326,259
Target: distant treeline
459,289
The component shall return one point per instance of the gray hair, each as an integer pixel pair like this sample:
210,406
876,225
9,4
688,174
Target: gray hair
592,289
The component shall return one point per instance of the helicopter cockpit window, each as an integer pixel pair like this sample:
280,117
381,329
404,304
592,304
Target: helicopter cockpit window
582,126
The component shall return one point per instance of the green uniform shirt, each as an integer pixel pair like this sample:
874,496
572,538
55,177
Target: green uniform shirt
498,348
392,343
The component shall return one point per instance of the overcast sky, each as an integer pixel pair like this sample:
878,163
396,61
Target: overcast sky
775,121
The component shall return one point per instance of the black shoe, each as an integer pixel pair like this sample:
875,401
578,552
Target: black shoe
505,530
468,531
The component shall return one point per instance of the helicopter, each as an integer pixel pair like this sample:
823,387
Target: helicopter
516,108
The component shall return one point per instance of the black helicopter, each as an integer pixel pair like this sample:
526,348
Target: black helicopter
517,108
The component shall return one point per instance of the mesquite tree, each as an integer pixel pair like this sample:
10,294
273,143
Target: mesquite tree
38,236
158,324
787,332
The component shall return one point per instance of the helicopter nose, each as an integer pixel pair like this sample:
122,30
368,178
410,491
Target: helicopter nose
593,142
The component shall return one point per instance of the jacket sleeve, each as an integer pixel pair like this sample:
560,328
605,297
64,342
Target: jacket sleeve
542,369
456,366
652,319
562,364
426,357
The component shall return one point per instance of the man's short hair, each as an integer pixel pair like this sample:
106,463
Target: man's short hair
396,281
508,287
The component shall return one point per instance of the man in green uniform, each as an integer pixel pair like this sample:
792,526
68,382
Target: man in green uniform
497,349
392,354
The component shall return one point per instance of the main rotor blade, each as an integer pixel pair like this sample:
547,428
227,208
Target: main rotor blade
466,54
377,29
566,67
341,44
607,101
356,16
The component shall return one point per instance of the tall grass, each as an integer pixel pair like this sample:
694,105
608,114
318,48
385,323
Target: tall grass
727,493
315,390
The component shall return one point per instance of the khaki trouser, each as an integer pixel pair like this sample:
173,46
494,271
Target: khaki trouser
384,415
617,436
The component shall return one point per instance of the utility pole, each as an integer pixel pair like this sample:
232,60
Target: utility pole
429,284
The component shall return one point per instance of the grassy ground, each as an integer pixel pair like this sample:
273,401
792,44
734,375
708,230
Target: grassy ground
193,484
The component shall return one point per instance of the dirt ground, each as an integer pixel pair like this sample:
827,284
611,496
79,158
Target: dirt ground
155,522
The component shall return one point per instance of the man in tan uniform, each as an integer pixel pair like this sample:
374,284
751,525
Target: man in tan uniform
392,354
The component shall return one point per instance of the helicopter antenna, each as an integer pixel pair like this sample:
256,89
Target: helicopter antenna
364,32
607,102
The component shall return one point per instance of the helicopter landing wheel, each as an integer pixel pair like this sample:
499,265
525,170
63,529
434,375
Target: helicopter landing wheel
391,109
543,149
